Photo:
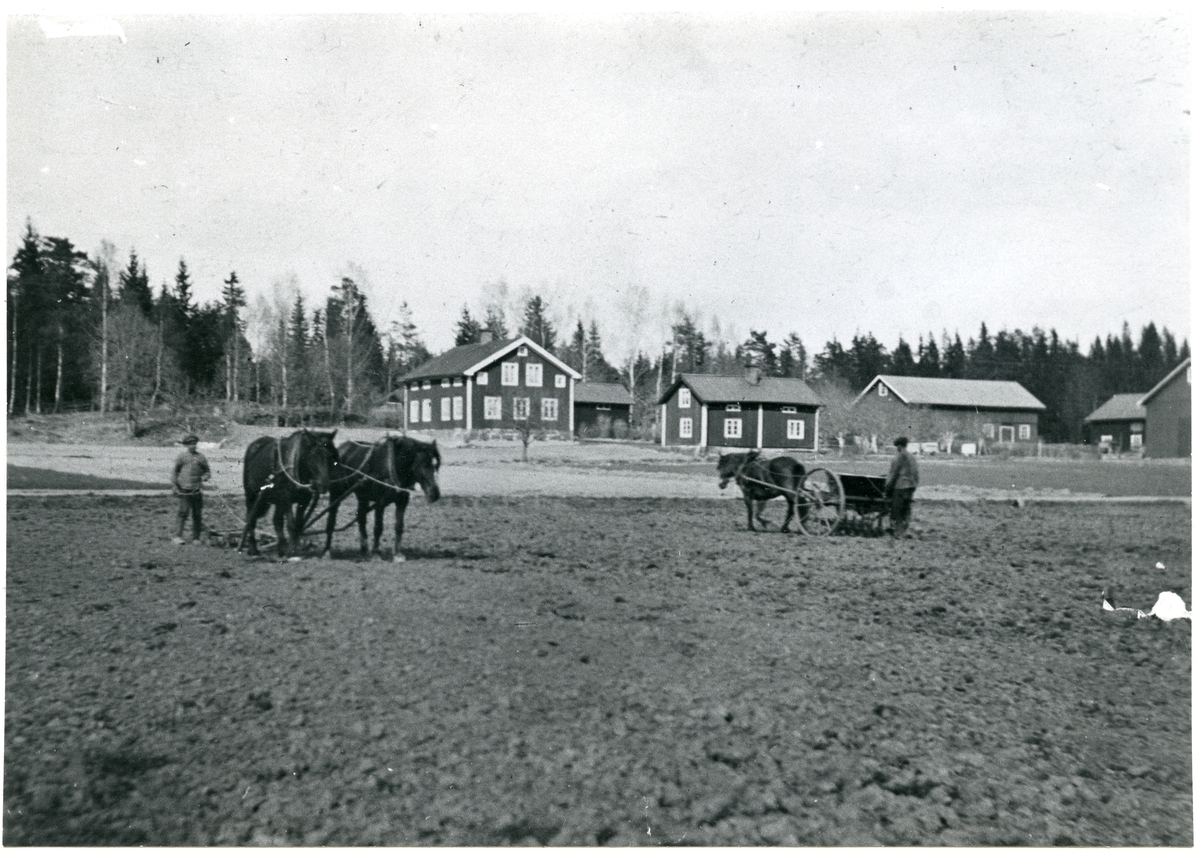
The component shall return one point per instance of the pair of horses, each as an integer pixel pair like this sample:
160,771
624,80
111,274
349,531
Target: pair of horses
291,474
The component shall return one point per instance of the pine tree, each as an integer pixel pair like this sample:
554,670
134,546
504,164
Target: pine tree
902,362
537,324
466,331
954,357
135,287
761,351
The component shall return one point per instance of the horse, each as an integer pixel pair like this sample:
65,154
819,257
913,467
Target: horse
760,480
289,474
380,475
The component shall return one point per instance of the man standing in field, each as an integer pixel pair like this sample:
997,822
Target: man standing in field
191,470
900,485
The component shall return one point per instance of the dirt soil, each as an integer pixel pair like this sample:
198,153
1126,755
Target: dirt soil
600,671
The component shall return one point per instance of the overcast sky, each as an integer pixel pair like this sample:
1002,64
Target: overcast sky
823,174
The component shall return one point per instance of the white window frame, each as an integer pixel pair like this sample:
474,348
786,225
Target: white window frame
533,375
1024,431
1135,440
788,409
560,380
520,407
481,379
685,427
445,382
493,408
426,411
523,351
550,408
795,430
733,427
883,389
425,385
458,408
445,409
989,431
457,382
685,398
414,411
734,406
510,374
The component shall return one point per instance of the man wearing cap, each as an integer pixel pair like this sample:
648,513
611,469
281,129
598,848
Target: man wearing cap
191,469
900,485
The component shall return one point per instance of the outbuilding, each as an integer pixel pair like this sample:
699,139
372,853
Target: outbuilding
745,411
1001,411
1119,425
602,409
1169,414
500,384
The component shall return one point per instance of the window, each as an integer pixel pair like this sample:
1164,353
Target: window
533,375
604,408
560,380
510,374
1135,441
989,430
685,427
523,351
481,379
882,389
414,411
424,385
1106,440
457,382
788,409
685,398
445,408
733,406
458,412
491,408
795,430
1024,431
733,427
1137,427
426,410
550,408
414,386
445,382
520,408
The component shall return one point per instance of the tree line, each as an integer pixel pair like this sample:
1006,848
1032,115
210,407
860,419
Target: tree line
85,332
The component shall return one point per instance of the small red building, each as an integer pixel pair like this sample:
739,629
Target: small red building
1169,414
1119,424
602,409
745,411
490,385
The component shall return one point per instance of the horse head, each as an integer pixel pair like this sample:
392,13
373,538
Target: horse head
317,457
417,462
729,466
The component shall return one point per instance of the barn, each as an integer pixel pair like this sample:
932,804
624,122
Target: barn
1119,425
925,408
1169,414
747,410
498,384
601,410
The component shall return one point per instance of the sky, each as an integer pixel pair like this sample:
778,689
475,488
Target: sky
825,174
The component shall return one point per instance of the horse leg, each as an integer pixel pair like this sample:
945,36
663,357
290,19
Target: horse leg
759,515
791,502
283,525
363,506
379,509
330,522
401,505
749,512
252,514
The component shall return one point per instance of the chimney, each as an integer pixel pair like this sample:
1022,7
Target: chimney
485,336
753,374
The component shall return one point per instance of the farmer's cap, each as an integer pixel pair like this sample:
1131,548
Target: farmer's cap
901,441
189,439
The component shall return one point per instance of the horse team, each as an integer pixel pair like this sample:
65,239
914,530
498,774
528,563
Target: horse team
291,474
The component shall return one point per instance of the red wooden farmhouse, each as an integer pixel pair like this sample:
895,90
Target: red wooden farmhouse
490,385
740,411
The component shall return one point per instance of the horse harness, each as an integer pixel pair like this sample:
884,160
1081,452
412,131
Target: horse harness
391,466
283,468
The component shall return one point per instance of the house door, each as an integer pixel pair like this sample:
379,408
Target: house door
1006,434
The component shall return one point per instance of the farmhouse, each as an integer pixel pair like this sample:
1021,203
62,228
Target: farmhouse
601,409
1169,414
1001,411
1118,425
739,411
490,385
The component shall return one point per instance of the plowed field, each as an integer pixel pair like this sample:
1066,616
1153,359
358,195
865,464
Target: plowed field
586,671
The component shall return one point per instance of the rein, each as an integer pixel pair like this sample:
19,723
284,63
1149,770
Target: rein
284,468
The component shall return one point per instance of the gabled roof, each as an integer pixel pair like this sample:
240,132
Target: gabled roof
735,388
957,392
1170,376
469,359
1123,406
601,393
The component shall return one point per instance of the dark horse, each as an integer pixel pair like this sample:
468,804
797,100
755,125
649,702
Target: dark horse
380,475
760,480
289,474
